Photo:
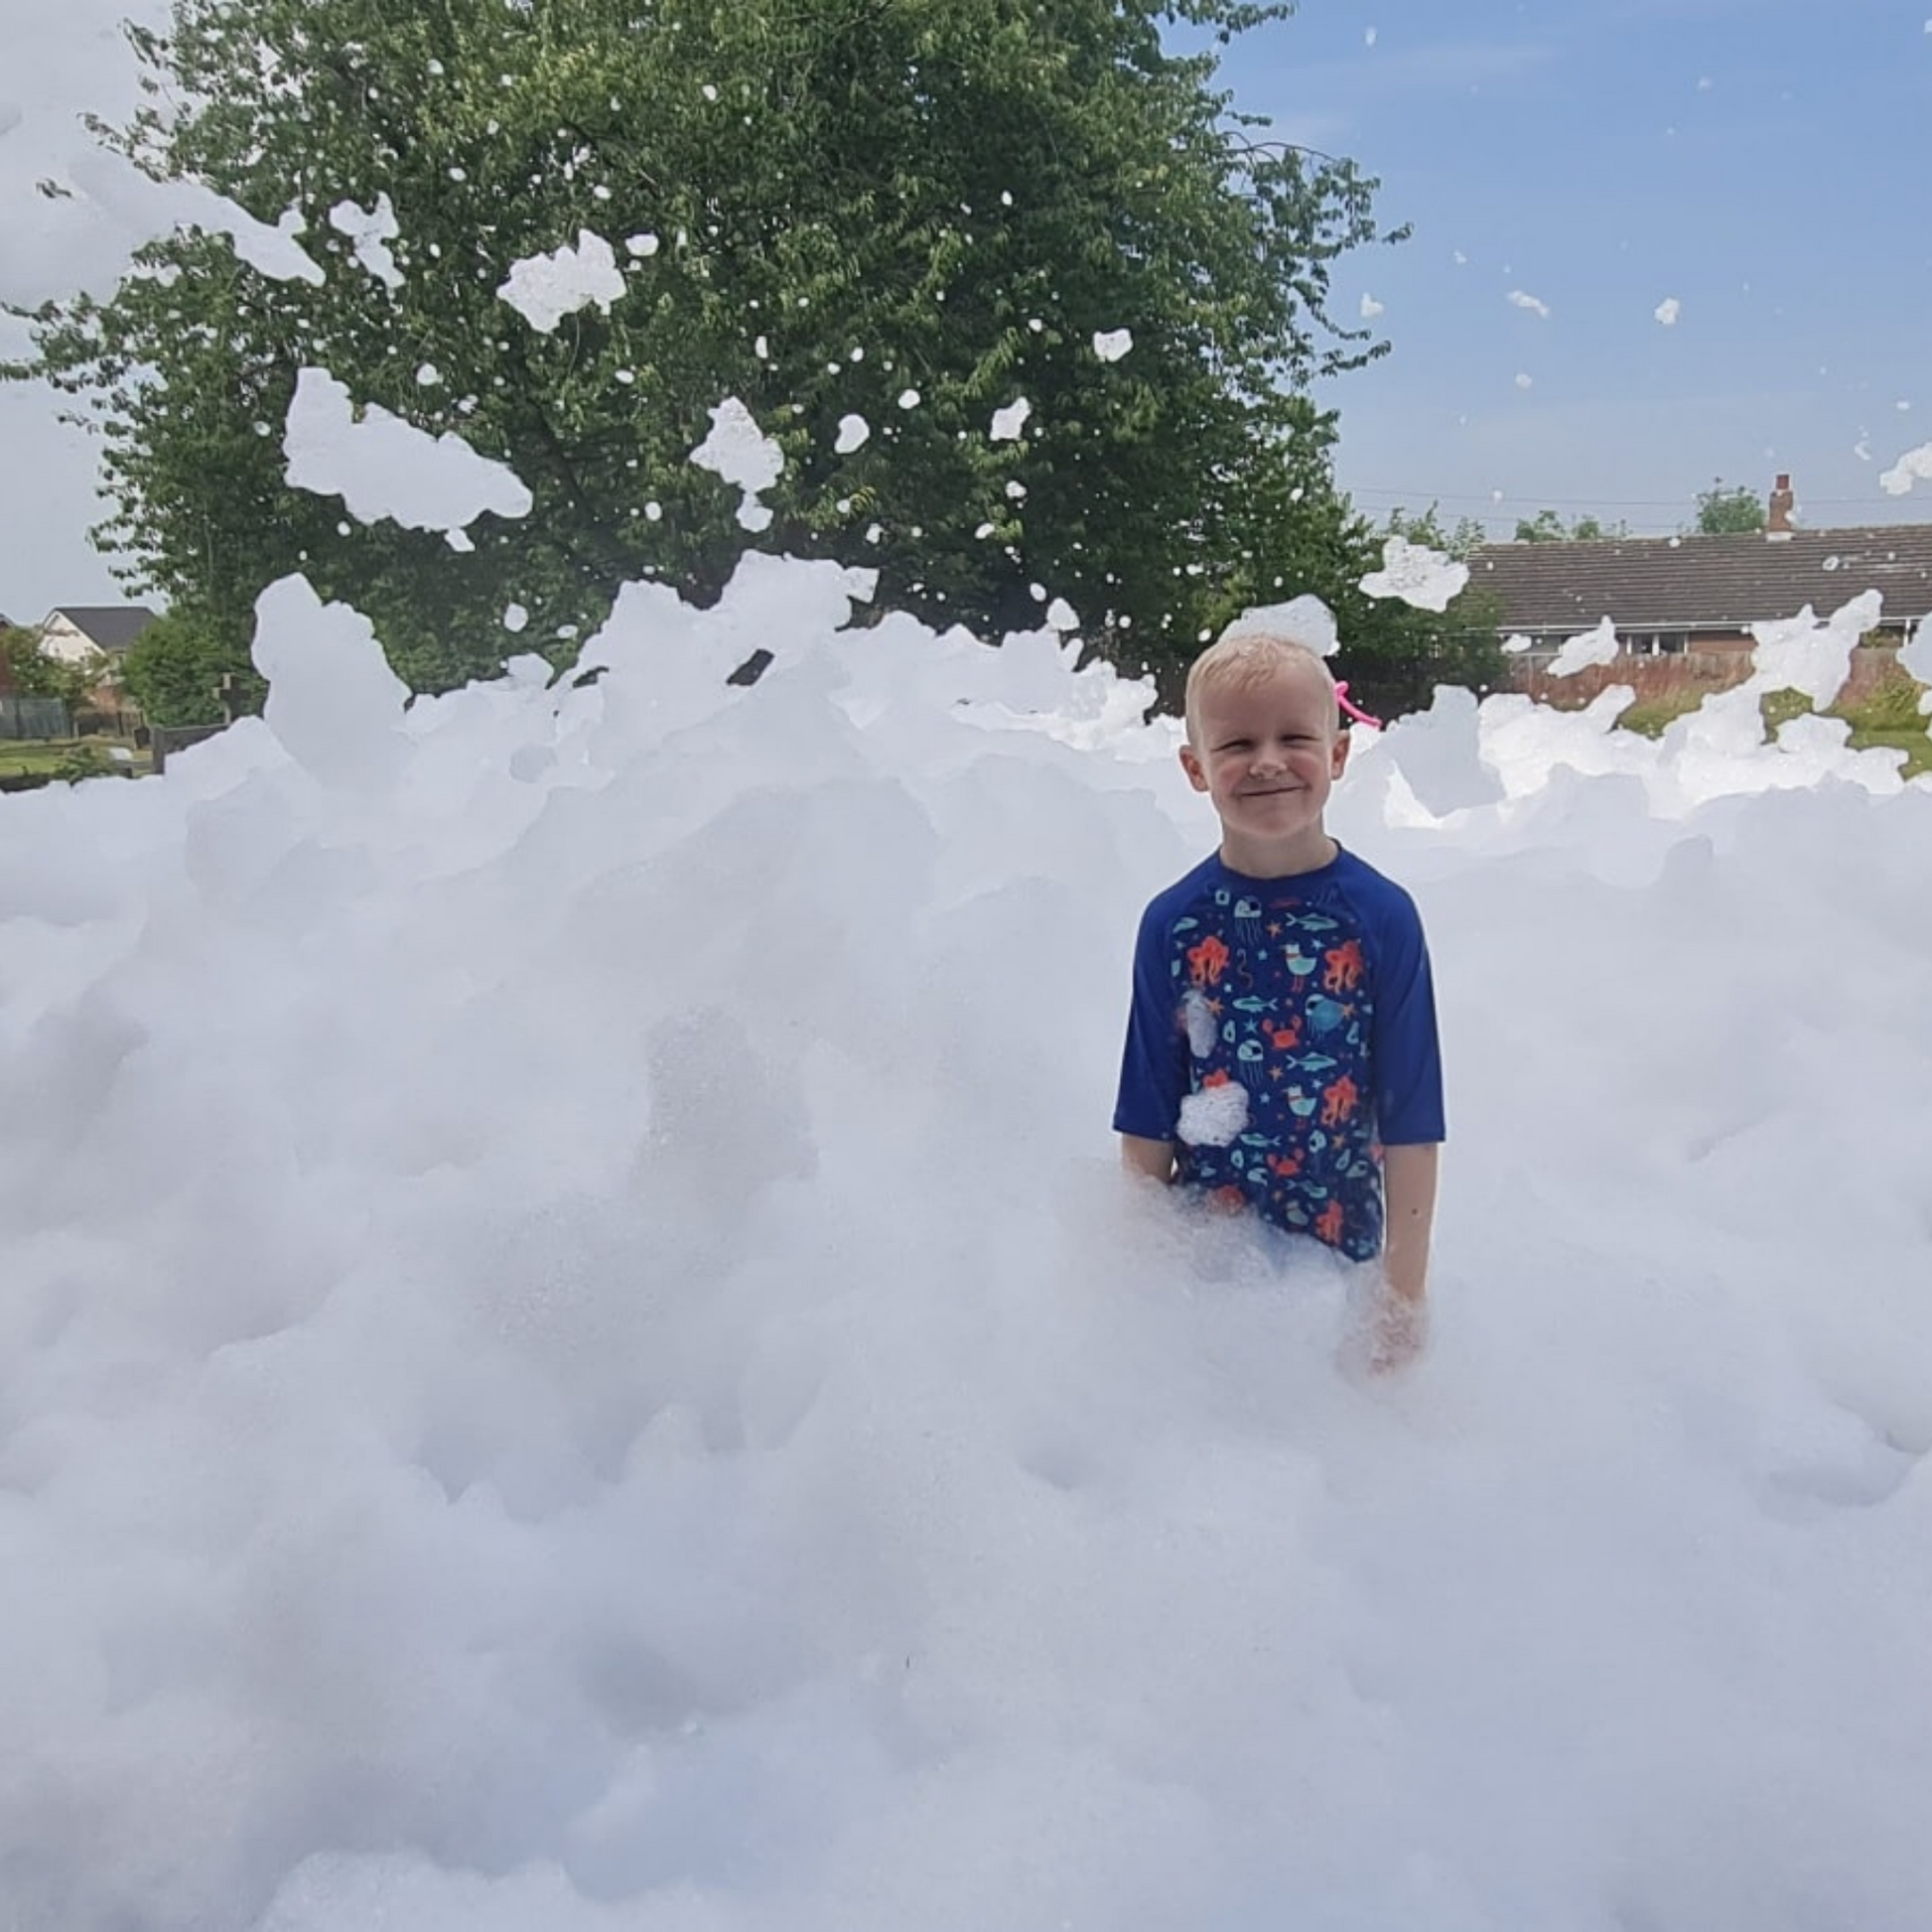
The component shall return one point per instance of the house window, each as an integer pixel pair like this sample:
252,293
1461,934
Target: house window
1656,643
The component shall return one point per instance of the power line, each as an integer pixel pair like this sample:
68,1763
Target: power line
1568,503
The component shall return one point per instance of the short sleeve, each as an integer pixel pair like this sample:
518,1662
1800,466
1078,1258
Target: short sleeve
1153,1067
1407,1057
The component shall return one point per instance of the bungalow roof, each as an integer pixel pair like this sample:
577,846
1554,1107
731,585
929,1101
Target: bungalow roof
1705,583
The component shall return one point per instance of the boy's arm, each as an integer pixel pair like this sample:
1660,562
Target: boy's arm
1154,1158
1400,1324
1409,1182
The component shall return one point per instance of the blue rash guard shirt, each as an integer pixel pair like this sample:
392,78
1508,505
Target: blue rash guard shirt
1283,1033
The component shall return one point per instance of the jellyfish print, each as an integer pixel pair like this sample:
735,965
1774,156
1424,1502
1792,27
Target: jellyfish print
1249,1061
1248,921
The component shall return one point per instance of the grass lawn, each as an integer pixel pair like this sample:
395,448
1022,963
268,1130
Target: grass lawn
1916,745
20,755
1650,718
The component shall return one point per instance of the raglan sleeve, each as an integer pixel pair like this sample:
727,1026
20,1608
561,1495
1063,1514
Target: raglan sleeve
1408,1058
1153,1065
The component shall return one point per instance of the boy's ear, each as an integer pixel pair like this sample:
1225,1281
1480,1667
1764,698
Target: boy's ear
1190,763
1340,754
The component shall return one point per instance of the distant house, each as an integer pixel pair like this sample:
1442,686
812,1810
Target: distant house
80,632
97,636
1698,594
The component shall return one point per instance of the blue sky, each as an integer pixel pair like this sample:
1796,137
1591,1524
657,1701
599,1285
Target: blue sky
1763,163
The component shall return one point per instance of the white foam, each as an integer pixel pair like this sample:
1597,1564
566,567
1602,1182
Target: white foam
736,450
1587,648
1008,423
383,467
1305,619
1914,466
1417,575
370,231
543,289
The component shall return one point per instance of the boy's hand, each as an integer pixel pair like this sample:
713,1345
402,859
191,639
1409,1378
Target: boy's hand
1398,1331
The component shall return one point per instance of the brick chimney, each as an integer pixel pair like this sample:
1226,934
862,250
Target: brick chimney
1779,524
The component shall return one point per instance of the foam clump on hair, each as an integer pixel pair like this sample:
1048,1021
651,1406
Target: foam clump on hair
1307,619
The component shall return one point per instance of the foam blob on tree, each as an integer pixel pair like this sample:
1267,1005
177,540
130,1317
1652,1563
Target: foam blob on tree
737,451
381,465
370,231
543,289
1008,423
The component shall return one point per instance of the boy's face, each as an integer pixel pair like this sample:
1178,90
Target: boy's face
1267,751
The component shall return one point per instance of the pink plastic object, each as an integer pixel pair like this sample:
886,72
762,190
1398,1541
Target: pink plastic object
1354,710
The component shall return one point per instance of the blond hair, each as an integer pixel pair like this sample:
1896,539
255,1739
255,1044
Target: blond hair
1238,659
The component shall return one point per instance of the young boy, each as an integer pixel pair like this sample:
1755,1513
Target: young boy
1281,1049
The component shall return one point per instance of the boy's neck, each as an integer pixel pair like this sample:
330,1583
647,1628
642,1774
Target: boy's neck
1308,852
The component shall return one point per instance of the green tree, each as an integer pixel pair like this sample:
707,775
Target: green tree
831,207
185,670
1391,653
1729,511
33,673
1394,654
1546,526
1426,527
